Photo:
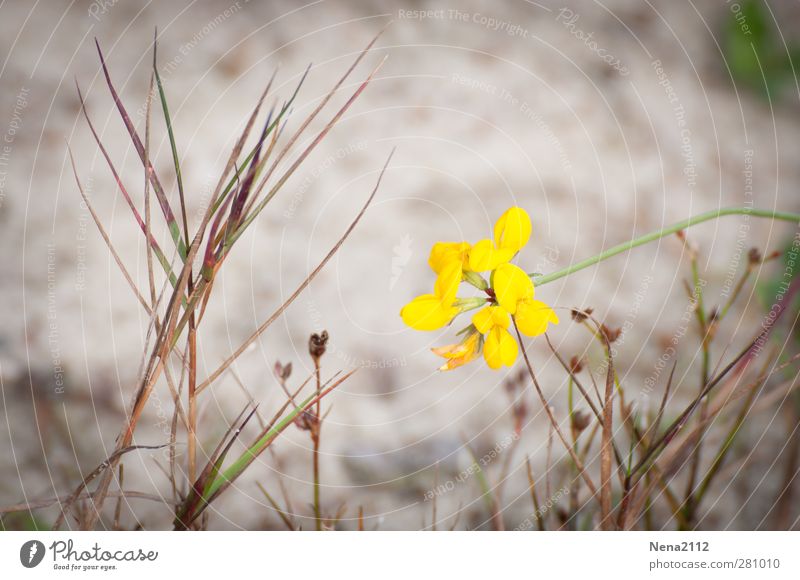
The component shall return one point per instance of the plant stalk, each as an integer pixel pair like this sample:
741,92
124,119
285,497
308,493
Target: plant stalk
539,280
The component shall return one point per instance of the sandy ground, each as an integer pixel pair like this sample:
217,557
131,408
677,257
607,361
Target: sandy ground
499,104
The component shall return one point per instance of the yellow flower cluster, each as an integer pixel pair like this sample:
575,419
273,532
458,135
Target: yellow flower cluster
509,292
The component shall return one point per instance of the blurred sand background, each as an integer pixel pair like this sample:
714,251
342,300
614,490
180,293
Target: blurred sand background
500,104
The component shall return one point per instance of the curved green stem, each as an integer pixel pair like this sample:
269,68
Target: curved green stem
538,279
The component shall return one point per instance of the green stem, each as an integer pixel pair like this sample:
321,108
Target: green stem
658,234
315,437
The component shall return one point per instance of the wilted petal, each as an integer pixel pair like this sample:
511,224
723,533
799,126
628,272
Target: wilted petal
460,353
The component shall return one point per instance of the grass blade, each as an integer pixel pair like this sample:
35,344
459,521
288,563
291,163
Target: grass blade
173,146
172,224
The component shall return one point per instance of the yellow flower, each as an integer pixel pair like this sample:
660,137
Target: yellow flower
499,348
444,253
511,232
510,293
460,353
514,292
433,311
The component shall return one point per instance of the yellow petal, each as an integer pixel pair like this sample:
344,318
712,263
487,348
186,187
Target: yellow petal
508,347
533,316
513,230
484,256
443,253
482,320
427,312
500,348
500,317
511,284
487,318
447,282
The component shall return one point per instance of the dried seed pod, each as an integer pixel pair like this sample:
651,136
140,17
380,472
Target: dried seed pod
282,371
580,420
611,334
307,420
576,364
317,344
579,315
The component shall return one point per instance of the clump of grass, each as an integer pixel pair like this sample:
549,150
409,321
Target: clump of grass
257,169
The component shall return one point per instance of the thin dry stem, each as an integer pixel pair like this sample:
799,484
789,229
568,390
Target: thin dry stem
578,463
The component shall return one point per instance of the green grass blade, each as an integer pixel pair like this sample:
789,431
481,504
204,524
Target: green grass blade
172,224
173,146
238,467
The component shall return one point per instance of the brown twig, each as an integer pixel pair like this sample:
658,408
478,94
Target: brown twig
532,488
606,447
578,463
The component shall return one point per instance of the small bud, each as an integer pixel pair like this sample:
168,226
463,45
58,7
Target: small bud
575,365
580,420
306,421
611,334
754,256
476,280
317,344
283,372
581,315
